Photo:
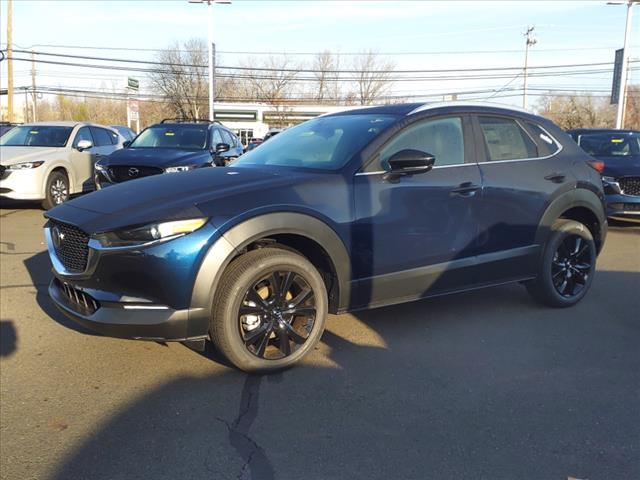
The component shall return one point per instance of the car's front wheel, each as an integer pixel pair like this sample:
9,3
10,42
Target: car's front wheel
568,265
56,190
269,311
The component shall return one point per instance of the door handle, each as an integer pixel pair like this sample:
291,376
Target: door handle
466,189
556,177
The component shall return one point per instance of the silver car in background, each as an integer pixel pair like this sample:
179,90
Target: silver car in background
50,161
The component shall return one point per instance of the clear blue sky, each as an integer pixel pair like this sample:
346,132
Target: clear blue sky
567,32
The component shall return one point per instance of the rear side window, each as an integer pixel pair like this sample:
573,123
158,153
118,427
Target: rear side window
101,137
505,139
546,144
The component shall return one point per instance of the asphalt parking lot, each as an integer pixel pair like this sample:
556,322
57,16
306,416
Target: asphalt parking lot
480,385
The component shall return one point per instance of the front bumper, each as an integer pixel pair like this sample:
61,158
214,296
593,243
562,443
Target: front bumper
117,319
22,184
622,206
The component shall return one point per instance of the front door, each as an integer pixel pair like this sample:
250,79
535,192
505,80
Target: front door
83,161
416,235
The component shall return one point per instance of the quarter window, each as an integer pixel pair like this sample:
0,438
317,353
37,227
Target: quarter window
506,140
443,138
546,144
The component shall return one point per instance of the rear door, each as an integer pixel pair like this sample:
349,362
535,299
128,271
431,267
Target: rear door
416,235
521,175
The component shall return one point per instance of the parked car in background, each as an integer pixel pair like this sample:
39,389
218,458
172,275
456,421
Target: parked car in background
126,132
6,126
50,161
619,152
348,211
253,143
272,133
171,146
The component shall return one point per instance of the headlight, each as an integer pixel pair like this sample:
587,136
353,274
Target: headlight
183,168
149,233
24,166
100,167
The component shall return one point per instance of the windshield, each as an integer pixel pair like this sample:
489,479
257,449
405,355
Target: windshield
610,144
190,137
36,136
325,143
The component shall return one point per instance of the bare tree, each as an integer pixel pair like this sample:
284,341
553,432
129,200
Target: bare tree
373,77
182,80
573,111
326,67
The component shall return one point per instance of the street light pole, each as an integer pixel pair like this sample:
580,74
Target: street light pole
625,60
211,61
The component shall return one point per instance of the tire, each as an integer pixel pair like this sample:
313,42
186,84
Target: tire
56,190
569,256
275,330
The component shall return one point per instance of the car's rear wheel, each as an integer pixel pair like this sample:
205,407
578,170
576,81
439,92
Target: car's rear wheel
568,265
269,311
56,190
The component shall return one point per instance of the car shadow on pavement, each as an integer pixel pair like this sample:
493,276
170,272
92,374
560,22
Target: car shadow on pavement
485,384
8,338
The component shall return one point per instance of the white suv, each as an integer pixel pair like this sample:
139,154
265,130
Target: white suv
50,161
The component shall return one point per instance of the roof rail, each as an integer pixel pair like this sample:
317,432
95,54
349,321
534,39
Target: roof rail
188,120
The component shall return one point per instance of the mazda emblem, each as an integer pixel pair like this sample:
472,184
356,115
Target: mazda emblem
133,172
57,237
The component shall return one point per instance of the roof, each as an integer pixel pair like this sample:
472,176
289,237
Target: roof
404,109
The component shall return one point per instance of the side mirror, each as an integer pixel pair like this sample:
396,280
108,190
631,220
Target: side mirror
126,143
84,145
409,162
218,161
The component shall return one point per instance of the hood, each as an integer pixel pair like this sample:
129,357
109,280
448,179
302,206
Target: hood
157,157
10,155
620,166
171,196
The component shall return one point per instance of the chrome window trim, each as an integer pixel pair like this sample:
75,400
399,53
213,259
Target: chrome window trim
379,172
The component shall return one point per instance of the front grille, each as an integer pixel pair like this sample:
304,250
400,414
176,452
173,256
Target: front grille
122,173
71,245
80,300
630,185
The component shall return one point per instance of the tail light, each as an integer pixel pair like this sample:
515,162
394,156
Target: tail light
597,165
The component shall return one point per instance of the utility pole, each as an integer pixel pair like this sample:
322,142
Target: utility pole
625,61
530,42
33,88
10,60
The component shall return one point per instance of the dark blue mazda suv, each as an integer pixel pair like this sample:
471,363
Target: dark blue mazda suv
354,210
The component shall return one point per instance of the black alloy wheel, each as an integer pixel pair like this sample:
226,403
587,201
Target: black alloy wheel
269,309
571,266
277,315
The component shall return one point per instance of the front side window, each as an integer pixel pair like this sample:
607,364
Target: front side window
189,137
36,136
610,144
325,143
83,134
216,138
443,138
505,140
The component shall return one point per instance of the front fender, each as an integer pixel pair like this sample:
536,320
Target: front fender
239,236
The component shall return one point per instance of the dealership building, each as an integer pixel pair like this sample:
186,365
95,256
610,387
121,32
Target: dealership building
250,120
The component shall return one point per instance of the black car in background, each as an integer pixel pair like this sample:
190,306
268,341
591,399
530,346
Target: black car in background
171,146
619,154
